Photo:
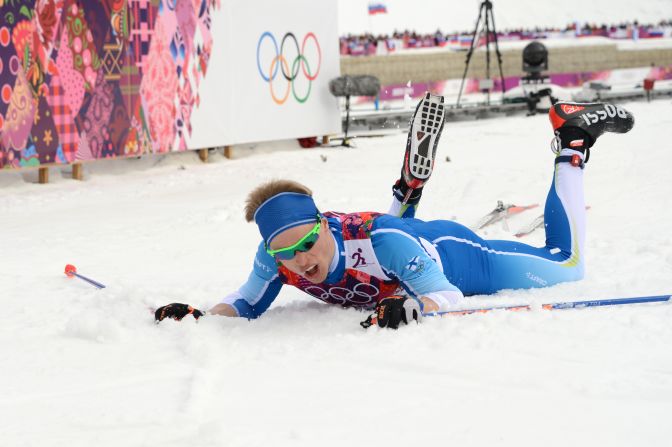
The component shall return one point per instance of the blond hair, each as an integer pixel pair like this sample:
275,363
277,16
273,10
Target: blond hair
265,191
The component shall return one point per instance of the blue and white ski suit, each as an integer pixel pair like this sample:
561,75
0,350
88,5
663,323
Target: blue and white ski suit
379,255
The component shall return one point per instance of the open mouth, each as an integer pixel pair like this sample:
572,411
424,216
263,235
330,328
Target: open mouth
311,271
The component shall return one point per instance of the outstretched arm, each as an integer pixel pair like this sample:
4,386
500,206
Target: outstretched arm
257,294
250,301
223,309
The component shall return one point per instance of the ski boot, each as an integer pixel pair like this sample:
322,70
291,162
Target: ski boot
423,137
577,126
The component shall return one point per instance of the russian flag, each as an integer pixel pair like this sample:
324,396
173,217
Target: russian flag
377,8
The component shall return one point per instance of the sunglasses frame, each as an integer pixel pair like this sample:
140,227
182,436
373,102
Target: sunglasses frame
295,247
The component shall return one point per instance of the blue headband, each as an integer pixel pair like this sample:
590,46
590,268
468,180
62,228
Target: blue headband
284,211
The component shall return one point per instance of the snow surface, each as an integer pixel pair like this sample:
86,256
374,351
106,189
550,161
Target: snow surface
84,367
426,16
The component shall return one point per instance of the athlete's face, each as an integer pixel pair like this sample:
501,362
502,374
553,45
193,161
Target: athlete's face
314,263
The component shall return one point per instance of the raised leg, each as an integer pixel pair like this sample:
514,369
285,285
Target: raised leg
423,137
480,266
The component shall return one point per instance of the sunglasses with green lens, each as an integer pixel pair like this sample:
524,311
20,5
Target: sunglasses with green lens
302,245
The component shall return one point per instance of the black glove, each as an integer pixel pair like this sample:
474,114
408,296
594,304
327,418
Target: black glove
393,310
176,311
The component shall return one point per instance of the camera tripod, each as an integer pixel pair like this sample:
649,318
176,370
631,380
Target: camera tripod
485,23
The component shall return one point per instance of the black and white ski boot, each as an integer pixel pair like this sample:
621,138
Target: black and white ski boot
577,126
423,137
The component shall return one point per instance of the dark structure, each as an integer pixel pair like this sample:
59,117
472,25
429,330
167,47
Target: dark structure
347,86
486,20
535,63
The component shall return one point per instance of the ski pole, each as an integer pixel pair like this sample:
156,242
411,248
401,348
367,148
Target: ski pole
71,272
563,305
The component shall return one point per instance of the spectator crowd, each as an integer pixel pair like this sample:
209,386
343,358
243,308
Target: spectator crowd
368,44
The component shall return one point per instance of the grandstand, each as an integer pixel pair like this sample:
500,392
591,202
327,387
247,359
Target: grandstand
368,44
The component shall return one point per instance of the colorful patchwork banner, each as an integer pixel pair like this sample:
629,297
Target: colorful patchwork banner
85,80
82,80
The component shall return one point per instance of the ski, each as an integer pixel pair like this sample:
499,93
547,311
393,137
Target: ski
562,305
536,223
529,228
500,212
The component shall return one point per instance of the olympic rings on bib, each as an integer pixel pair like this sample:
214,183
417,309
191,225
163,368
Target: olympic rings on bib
290,69
361,295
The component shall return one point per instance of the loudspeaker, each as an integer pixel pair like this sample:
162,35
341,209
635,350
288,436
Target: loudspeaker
360,85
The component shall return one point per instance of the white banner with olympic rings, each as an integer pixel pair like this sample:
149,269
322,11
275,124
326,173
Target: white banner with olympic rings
269,72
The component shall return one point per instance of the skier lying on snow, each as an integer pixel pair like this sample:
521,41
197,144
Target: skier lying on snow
405,267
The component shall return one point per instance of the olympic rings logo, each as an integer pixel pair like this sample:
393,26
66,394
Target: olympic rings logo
298,65
361,295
